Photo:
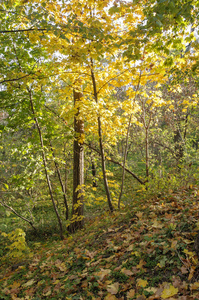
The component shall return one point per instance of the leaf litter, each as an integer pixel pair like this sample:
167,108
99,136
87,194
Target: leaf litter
145,251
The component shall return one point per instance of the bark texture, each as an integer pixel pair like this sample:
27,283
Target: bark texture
77,221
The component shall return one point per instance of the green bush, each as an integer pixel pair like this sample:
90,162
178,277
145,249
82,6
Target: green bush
13,246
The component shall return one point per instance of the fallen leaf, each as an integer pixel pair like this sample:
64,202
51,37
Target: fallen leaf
113,288
169,292
151,290
139,214
141,264
157,225
60,265
103,273
126,272
110,297
47,291
15,284
174,244
184,270
130,294
130,248
29,283
191,273
194,286
142,282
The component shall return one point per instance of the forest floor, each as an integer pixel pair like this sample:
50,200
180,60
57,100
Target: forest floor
145,251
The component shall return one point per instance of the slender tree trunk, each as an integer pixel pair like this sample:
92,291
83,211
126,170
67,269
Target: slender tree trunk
101,143
60,180
124,161
178,140
77,221
126,146
93,172
117,163
147,151
45,163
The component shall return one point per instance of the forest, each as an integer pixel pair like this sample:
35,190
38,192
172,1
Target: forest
99,149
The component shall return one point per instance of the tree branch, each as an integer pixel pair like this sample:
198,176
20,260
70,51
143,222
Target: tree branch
17,214
116,162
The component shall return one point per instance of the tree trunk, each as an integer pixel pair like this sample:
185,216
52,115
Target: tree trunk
147,152
77,221
179,151
101,142
93,172
60,180
45,164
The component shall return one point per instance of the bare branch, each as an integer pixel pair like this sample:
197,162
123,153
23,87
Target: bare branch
17,214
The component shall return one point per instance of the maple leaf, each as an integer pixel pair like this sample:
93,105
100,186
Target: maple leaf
113,288
169,292
139,214
130,294
103,273
141,264
142,282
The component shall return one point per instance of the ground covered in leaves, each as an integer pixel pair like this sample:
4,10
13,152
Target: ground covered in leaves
145,251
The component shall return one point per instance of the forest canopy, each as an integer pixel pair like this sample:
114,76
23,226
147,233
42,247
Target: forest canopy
98,102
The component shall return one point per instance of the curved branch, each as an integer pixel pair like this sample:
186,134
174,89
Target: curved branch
17,214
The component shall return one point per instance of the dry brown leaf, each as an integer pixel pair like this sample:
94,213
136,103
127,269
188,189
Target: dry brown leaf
126,272
113,288
130,294
103,273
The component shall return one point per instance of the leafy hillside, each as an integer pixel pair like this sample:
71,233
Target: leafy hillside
145,251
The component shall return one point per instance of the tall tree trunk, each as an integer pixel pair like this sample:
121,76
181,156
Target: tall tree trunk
45,163
101,142
77,221
126,145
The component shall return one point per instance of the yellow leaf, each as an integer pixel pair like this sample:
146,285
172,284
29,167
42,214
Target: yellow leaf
141,264
136,253
29,283
194,286
142,282
15,285
110,297
169,292
151,290
191,273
